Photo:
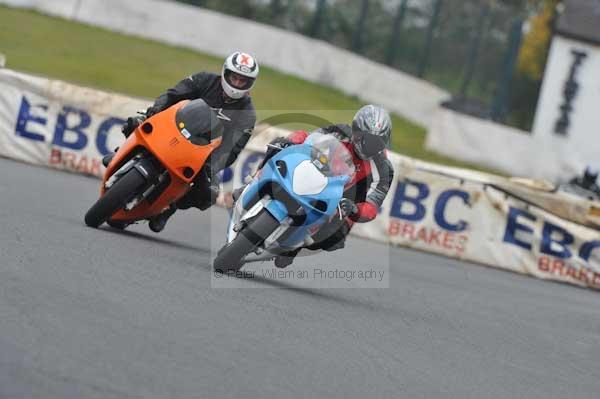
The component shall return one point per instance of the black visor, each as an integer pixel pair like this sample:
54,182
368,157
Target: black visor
247,82
367,145
198,123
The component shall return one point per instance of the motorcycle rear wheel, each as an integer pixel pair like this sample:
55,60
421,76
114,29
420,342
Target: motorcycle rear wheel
251,236
115,198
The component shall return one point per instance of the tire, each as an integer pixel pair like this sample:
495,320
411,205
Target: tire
117,225
115,198
252,235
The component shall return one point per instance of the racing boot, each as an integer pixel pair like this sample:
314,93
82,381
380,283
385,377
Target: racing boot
338,245
235,194
157,223
210,198
284,260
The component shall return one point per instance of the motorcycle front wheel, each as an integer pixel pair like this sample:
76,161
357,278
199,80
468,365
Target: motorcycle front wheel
115,198
230,257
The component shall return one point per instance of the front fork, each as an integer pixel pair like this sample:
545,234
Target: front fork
147,168
149,191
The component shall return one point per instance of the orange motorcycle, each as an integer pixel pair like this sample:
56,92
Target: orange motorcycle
157,164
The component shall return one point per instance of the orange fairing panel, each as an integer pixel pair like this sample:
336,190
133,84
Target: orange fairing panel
172,149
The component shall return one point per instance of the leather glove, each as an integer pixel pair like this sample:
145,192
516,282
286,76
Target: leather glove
129,126
274,147
283,143
277,145
347,207
151,111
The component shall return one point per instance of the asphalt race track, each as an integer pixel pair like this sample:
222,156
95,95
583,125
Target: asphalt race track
88,313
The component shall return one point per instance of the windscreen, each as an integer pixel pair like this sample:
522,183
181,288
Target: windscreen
330,155
198,123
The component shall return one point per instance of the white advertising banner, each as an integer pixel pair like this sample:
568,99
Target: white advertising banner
488,224
517,225
50,122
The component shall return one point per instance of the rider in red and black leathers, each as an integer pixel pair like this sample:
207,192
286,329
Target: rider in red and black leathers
366,140
372,180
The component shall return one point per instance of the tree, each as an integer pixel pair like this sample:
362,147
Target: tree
534,51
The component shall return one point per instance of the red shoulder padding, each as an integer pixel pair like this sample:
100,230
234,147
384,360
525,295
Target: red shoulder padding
298,137
366,212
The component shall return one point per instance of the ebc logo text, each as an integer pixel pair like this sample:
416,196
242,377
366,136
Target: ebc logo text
72,126
556,241
560,252
409,209
70,137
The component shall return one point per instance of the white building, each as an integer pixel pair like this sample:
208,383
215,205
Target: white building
568,111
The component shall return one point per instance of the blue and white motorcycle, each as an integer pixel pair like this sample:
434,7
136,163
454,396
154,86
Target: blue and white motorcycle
295,193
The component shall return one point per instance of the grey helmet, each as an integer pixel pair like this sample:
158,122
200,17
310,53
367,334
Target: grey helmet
371,131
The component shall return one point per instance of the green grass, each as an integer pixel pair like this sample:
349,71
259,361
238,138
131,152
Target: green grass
99,58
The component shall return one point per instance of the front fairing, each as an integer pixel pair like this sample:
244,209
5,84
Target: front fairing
285,188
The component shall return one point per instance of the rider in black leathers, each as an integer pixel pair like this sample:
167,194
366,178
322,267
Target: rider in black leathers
228,95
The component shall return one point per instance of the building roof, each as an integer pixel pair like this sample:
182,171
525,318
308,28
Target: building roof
580,20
